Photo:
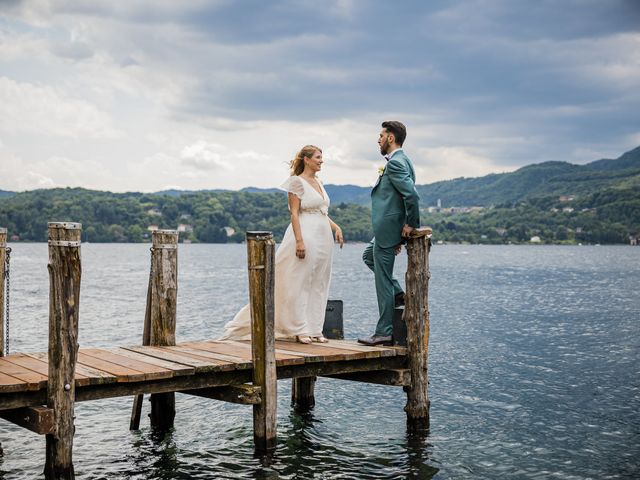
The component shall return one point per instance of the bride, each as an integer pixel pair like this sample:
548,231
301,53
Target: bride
303,260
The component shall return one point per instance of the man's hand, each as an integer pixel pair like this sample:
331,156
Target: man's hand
398,249
406,231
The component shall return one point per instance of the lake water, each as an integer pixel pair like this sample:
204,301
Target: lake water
534,365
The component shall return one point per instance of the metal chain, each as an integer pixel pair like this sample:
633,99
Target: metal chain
7,301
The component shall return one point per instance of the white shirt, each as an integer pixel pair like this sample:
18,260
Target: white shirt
389,155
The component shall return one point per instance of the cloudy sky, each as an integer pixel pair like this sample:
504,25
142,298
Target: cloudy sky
151,94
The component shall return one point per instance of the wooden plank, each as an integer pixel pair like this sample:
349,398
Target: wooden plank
397,378
122,374
34,380
37,419
93,376
242,349
150,371
243,394
11,384
232,362
372,351
176,368
40,366
320,354
201,364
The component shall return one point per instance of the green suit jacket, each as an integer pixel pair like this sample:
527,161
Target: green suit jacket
394,201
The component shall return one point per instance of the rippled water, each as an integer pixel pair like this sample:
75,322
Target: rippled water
534,371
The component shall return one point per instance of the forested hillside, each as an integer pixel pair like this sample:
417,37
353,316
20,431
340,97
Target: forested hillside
555,201
217,217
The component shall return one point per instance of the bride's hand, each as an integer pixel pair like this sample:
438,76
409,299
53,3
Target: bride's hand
339,237
300,250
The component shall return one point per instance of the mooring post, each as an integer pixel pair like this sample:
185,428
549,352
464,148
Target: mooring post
260,251
64,302
162,314
416,317
3,273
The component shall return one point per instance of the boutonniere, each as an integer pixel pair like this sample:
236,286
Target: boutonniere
381,171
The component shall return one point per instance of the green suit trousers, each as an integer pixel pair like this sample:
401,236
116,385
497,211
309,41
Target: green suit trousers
381,261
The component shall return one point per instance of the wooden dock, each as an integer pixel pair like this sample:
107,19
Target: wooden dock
38,391
197,368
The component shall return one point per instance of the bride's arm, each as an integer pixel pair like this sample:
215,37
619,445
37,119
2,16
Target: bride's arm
338,231
294,208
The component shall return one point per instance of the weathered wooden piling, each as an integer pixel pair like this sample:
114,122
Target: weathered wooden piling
64,302
3,262
161,307
260,251
303,393
416,317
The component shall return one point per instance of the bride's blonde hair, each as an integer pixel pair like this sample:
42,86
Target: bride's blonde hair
297,164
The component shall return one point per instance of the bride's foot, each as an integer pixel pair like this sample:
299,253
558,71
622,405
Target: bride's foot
320,339
303,339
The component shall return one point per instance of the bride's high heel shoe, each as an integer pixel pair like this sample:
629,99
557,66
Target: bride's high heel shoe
303,339
320,339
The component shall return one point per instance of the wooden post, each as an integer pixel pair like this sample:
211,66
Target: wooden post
303,393
3,258
64,302
136,410
303,388
416,317
162,314
260,251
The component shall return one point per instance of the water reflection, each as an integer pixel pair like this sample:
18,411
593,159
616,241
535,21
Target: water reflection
418,449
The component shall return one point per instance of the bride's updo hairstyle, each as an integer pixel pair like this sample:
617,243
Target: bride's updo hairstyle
297,164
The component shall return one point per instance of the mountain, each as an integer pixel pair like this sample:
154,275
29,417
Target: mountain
5,193
260,190
539,180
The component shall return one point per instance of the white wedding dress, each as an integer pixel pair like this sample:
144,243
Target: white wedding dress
301,286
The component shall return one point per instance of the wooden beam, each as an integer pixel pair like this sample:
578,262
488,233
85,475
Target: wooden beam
397,378
37,419
244,394
203,380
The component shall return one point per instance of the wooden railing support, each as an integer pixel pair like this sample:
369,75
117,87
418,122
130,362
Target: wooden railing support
416,317
3,259
260,251
64,302
161,324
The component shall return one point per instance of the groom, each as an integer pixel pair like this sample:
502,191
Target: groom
395,214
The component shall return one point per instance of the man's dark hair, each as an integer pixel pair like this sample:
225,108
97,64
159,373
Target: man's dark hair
397,128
